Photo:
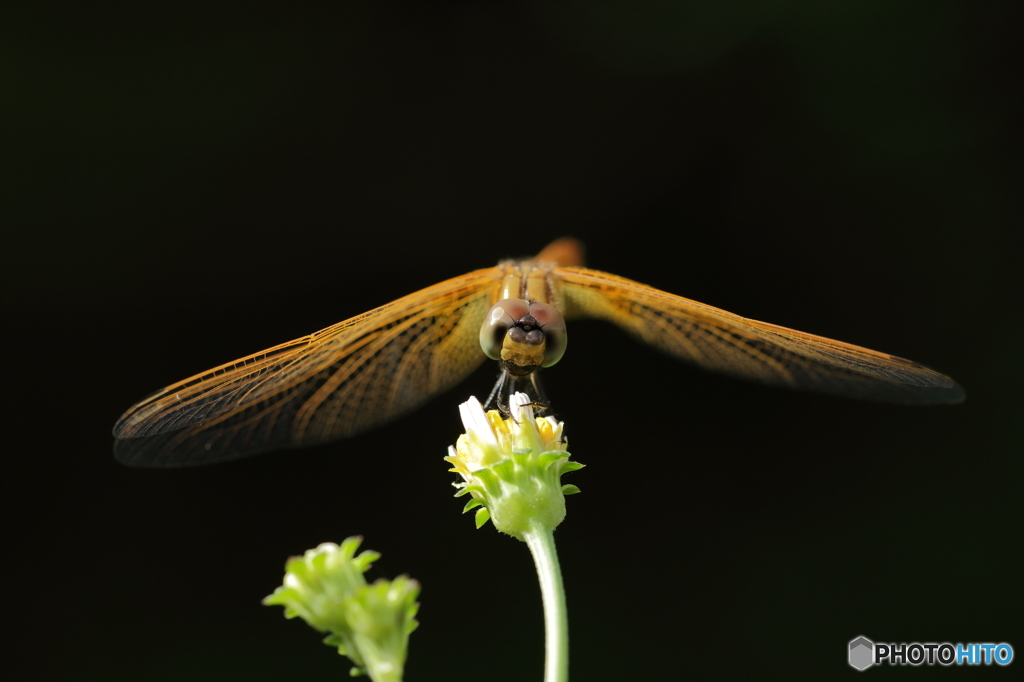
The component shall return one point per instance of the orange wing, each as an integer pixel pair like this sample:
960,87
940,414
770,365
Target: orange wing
723,342
337,382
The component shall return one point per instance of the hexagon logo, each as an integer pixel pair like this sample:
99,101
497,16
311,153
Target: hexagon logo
862,653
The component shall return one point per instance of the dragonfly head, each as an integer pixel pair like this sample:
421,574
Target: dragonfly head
523,336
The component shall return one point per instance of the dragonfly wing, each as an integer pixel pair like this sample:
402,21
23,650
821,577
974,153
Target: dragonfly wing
335,383
723,342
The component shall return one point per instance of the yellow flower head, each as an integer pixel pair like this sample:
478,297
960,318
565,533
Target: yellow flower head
512,467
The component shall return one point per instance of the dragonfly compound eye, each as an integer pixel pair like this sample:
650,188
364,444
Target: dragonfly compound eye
553,326
502,316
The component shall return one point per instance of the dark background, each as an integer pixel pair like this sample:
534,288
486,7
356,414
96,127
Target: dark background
183,186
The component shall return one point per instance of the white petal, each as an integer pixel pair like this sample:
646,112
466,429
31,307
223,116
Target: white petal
522,408
474,419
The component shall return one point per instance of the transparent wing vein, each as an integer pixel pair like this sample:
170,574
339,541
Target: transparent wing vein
331,384
720,341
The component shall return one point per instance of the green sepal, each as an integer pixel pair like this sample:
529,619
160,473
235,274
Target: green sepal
338,641
521,459
548,458
470,489
569,489
502,469
571,466
489,479
356,671
482,517
365,560
472,504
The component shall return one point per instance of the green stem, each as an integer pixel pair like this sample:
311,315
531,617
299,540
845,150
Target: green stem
556,621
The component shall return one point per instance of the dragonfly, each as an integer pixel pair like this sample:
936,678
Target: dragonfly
366,371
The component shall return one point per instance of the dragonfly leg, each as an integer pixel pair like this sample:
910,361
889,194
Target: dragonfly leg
494,399
507,384
540,398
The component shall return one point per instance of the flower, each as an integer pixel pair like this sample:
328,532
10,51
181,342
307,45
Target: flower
368,623
512,467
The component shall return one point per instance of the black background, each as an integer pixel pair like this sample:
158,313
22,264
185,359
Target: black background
186,185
